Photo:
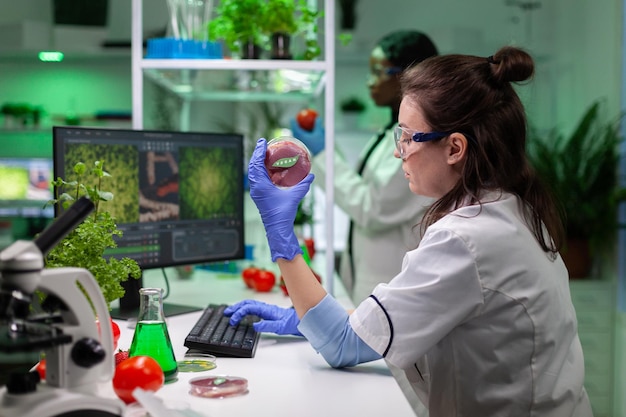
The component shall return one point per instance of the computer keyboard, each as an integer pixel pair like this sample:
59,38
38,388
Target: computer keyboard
213,334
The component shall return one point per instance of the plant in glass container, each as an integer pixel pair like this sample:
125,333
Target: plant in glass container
238,24
582,170
284,19
85,246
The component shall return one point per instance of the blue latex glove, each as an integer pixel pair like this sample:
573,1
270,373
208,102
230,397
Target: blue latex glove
275,319
277,206
314,139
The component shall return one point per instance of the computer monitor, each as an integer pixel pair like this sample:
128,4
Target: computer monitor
25,187
177,196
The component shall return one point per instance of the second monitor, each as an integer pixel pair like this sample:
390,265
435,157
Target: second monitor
178,196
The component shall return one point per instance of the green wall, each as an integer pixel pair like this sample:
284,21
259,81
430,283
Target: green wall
26,144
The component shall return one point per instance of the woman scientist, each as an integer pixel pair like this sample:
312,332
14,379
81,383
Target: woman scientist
374,195
480,317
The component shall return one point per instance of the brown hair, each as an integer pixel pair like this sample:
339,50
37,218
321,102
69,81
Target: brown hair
475,96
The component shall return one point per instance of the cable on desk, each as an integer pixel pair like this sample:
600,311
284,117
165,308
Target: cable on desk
167,284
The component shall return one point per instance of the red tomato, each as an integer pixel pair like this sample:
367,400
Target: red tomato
116,332
137,371
283,287
41,369
264,281
310,247
249,275
306,119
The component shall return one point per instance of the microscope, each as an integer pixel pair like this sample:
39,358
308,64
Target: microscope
79,356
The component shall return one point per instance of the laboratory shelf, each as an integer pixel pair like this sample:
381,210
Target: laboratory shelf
233,64
243,80
240,85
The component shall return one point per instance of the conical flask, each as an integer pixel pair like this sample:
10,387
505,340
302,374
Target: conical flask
151,337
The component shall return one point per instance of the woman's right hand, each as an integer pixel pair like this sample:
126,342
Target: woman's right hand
274,319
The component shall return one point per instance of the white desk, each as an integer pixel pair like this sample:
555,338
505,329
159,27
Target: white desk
286,377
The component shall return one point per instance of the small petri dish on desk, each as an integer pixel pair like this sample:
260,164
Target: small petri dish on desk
220,386
196,362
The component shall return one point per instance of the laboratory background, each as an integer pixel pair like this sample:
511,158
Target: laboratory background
578,48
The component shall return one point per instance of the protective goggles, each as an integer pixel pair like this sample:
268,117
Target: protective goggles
403,138
379,73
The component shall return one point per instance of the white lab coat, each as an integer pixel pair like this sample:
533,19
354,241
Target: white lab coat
481,320
384,212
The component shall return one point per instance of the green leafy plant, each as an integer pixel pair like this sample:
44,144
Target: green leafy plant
352,104
23,113
280,16
237,22
85,246
582,170
294,18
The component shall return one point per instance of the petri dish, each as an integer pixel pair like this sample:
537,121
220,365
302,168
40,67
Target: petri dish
220,386
287,161
197,362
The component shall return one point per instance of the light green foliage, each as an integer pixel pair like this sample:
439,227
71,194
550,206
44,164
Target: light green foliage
288,16
237,22
84,247
240,21
280,16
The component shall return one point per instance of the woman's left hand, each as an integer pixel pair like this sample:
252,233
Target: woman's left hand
277,206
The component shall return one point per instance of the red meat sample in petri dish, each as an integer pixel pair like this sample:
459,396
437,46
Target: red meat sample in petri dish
287,161
220,386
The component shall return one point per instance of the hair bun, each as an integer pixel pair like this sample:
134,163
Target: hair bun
511,64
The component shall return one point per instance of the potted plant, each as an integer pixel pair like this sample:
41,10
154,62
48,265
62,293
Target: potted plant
352,104
246,26
85,246
284,19
348,14
238,24
351,108
582,170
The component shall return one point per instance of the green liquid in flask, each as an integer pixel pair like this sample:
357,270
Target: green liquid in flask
152,339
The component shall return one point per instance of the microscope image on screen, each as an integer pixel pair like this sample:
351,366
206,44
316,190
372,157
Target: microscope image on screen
158,186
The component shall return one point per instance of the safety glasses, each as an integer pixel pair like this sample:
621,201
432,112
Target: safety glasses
403,138
380,73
